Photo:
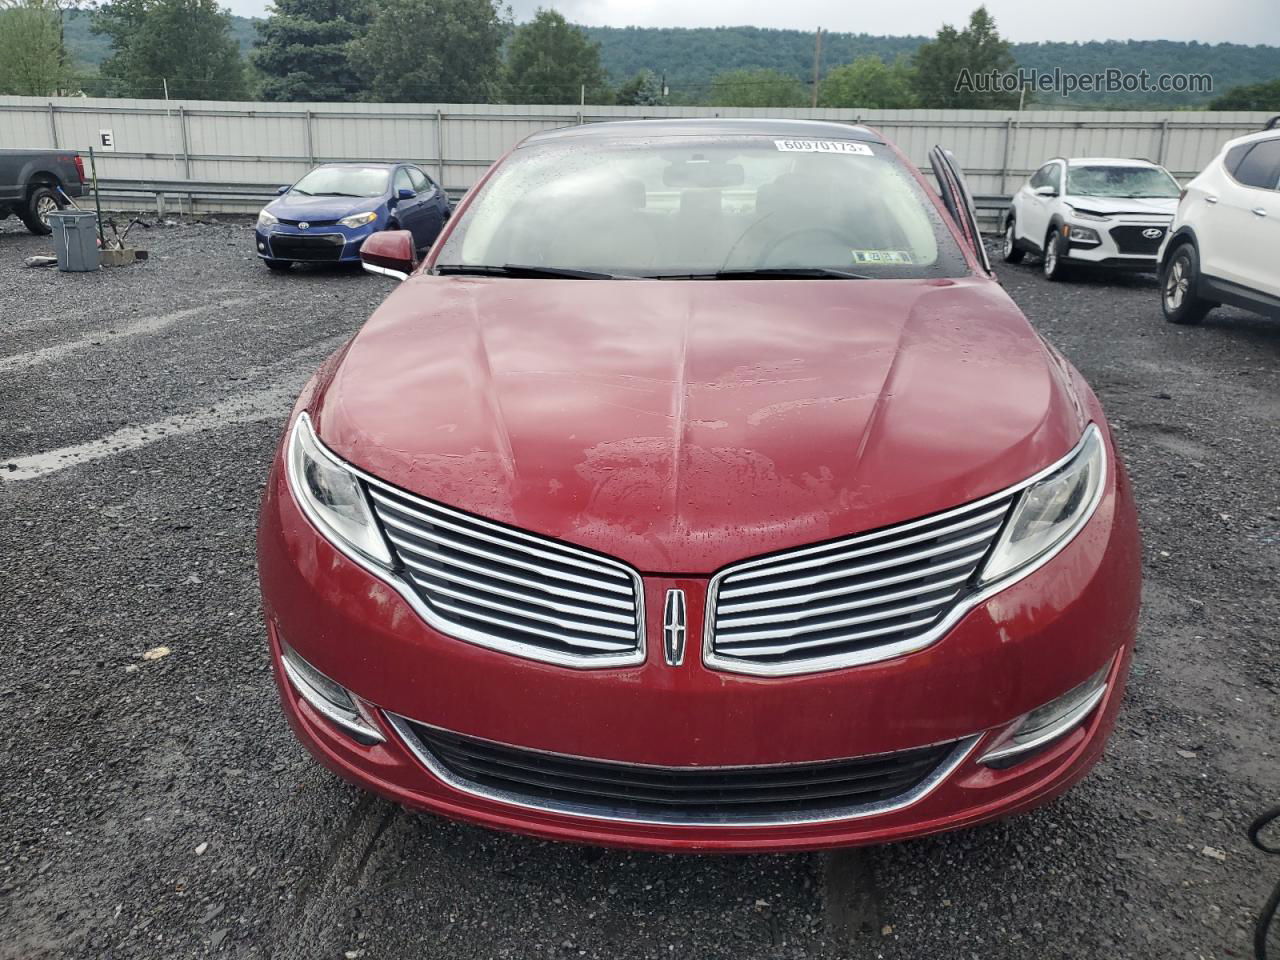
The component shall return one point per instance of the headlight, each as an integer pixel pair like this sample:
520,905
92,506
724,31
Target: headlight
266,219
1084,235
1052,510
358,219
331,496
1088,215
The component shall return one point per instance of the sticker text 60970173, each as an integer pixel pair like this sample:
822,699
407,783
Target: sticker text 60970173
824,146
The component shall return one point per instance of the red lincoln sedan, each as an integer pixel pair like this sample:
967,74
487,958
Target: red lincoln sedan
702,490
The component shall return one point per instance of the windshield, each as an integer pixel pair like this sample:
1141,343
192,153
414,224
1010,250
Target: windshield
343,182
683,206
1127,182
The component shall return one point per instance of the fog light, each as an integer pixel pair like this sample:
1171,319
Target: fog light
330,699
1054,719
262,246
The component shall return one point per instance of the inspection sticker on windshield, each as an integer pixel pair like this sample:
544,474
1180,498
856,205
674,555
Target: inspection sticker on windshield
873,257
824,146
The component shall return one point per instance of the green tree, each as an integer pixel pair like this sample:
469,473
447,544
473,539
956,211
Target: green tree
552,61
869,82
756,88
1253,96
186,43
974,52
443,51
301,53
642,90
32,62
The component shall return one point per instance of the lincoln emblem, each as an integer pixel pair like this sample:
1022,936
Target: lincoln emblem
674,627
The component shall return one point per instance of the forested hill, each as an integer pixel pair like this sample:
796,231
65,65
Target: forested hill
691,57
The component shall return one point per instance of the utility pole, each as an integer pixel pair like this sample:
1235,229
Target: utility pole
817,65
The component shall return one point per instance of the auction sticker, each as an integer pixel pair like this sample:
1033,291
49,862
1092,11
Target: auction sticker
888,257
824,146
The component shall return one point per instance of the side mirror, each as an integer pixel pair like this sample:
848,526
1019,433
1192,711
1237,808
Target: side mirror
1046,191
281,191
389,254
404,193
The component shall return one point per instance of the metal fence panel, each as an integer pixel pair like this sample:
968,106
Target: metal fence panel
221,142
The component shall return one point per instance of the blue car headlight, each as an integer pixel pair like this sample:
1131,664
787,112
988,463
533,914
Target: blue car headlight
358,219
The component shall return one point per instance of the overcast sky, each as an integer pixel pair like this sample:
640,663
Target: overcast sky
1212,21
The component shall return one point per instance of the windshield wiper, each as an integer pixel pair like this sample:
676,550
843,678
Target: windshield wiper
305,193
525,270
335,193
769,273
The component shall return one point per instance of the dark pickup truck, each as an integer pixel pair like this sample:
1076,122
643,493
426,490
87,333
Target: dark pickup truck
30,181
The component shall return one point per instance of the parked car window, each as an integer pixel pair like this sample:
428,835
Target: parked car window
1261,166
421,183
402,180
1043,177
676,206
1112,180
1235,155
343,182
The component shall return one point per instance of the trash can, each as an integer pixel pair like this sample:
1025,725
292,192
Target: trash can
75,238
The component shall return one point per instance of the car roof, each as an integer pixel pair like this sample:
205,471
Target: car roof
386,165
1269,134
1111,162
708,127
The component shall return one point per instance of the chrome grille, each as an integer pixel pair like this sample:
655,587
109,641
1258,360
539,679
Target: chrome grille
856,600
512,591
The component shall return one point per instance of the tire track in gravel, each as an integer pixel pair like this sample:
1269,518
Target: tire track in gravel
267,403
145,325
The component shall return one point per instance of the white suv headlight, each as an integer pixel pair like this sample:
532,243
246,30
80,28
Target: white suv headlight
1051,511
1078,214
266,219
331,496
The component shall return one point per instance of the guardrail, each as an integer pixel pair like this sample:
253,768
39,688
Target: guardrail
155,193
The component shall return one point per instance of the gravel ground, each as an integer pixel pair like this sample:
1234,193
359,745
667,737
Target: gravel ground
161,808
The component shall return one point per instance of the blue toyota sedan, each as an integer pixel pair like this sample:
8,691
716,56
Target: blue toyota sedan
328,214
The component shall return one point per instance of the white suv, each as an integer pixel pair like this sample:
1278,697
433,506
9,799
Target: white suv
1225,243
1093,211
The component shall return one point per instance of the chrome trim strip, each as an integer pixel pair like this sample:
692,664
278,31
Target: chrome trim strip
567,623
571,609
768,648
539,550
537,631
475,551
352,723
410,561
938,587
407,592
952,546
770,633
864,587
384,271
1059,729
996,515
888,651
424,756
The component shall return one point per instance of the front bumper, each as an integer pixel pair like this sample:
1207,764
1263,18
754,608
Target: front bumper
332,243
1121,244
1021,648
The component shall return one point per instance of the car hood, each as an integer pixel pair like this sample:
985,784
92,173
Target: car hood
293,206
682,425
1160,206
